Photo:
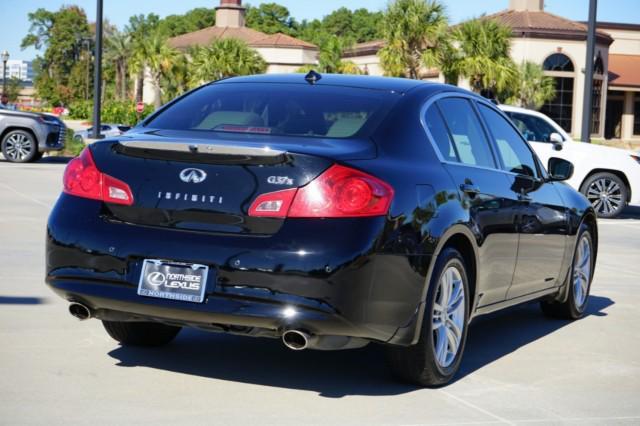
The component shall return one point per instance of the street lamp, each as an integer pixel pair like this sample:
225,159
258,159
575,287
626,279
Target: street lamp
5,58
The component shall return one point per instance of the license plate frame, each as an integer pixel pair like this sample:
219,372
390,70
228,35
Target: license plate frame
164,279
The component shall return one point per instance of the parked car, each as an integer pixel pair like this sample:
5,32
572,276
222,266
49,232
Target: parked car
326,211
106,130
608,177
26,136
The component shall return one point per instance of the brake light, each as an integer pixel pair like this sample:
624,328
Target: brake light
82,178
338,192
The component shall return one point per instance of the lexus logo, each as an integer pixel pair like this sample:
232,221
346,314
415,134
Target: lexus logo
156,279
193,175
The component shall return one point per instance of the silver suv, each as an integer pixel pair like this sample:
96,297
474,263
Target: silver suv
25,136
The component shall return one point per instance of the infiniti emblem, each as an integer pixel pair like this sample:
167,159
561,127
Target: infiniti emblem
193,175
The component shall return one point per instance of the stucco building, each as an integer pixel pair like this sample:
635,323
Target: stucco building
559,45
282,53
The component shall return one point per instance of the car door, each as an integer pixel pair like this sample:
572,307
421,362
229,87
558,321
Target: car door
541,219
466,154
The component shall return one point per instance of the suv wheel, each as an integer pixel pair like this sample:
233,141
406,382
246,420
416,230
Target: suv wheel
19,146
141,333
579,281
607,193
435,359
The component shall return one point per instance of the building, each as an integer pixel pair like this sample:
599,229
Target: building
281,52
559,45
22,70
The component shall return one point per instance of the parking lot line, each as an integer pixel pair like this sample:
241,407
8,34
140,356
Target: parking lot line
25,196
475,407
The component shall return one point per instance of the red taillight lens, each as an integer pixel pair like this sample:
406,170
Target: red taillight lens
83,179
338,192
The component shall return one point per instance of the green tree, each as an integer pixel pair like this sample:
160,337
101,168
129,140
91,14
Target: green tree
223,58
330,58
194,20
60,34
140,27
14,85
271,18
415,35
532,88
483,55
159,59
356,26
118,51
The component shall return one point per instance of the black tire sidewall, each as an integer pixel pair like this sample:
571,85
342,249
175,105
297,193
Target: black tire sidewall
623,190
448,257
575,311
28,158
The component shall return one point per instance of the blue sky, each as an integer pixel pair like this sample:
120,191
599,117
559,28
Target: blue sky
15,23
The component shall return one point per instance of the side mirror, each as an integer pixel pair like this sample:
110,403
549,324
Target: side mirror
557,141
560,169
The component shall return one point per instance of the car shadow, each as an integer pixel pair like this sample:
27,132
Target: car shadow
630,212
335,374
49,159
19,300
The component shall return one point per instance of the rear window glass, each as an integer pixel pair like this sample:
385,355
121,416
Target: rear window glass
280,109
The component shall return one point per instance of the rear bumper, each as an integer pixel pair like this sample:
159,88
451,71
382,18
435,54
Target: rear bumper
327,277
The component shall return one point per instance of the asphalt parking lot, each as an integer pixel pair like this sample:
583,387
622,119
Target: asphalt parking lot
519,367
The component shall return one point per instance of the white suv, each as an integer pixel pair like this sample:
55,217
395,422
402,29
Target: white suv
608,177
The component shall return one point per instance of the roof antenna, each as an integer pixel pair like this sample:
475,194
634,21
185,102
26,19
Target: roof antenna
313,77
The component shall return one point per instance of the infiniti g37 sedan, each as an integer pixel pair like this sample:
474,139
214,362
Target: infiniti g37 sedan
326,211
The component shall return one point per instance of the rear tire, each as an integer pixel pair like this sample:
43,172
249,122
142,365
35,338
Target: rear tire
579,281
423,363
607,193
141,333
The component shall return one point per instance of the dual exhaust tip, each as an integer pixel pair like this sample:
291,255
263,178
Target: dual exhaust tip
80,311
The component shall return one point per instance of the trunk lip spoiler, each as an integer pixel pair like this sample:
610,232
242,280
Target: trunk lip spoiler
203,148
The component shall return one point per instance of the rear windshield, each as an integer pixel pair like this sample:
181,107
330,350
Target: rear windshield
279,109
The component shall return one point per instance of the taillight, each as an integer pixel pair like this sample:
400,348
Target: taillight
338,192
83,179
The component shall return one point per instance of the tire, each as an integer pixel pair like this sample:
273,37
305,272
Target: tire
38,156
419,364
607,193
141,333
579,281
19,146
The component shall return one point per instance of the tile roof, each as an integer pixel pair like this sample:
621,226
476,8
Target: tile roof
545,25
252,37
623,70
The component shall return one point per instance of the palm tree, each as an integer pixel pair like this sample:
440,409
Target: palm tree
223,58
483,55
159,59
330,58
533,88
415,35
118,52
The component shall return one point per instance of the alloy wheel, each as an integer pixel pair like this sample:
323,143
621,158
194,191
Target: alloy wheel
448,319
18,147
605,195
582,272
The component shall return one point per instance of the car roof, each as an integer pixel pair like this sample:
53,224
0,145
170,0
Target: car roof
401,85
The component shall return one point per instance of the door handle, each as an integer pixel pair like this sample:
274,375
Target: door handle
469,189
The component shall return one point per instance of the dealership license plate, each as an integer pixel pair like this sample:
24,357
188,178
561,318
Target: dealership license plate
171,280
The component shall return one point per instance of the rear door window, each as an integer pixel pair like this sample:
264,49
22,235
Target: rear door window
466,132
440,134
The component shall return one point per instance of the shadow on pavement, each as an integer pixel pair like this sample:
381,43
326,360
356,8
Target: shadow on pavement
335,374
9,300
631,212
44,160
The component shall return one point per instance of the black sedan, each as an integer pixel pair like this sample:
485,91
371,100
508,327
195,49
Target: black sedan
326,211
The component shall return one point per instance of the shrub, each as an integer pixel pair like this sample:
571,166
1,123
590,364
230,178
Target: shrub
117,112
72,147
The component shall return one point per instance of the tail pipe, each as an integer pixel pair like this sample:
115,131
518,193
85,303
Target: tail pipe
296,340
80,311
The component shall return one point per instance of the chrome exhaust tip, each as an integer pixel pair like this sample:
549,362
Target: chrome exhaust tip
80,311
295,340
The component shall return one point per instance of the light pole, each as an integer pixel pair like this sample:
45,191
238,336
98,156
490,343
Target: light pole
587,107
5,58
97,76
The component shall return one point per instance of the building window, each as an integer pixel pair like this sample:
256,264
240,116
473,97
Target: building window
560,109
636,116
558,62
596,101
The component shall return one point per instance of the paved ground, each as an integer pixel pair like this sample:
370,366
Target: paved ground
519,366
